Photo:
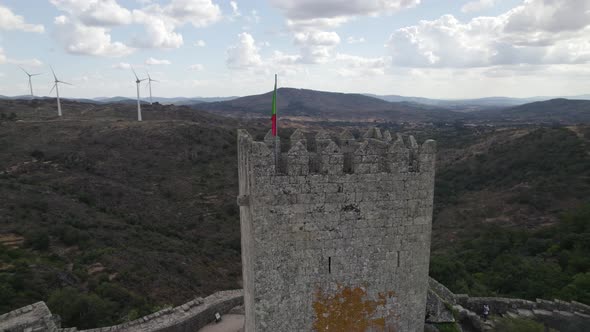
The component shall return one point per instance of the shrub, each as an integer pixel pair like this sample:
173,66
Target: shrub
37,154
38,240
519,325
447,327
77,309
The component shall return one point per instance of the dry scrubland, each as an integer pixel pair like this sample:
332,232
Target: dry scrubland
117,218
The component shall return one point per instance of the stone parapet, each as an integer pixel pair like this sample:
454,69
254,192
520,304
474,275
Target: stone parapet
189,317
560,315
34,317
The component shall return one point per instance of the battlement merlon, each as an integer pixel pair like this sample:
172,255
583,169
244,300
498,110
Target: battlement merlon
374,153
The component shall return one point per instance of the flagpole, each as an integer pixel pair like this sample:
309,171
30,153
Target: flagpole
277,145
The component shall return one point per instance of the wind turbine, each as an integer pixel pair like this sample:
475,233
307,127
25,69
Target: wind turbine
56,87
30,82
138,81
150,80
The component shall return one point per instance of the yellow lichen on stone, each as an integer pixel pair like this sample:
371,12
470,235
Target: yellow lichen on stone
350,310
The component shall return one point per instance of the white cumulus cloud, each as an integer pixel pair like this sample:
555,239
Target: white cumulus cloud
26,62
244,53
11,21
355,40
353,65
122,66
475,6
161,22
196,67
313,9
199,13
316,46
159,31
96,12
20,62
154,62
234,8
78,38
311,20
200,43
537,32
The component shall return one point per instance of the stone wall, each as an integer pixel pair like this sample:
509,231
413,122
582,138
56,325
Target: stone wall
189,317
335,232
32,318
563,316
560,315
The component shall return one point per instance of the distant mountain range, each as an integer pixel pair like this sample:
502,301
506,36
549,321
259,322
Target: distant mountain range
126,100
327,106
359,107
331,106
473,104
462,105
561,110
167,101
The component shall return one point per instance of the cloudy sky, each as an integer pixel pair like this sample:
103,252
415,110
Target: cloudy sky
429,48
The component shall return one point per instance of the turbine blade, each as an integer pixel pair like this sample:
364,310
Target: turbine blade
53,72
62,82
21,68
36,74
134,73
155,81
50,91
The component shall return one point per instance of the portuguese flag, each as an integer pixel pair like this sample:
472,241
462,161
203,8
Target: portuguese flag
274,109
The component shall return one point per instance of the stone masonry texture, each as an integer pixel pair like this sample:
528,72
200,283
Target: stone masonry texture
336,237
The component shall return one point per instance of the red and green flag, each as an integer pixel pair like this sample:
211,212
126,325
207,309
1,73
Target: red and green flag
274,109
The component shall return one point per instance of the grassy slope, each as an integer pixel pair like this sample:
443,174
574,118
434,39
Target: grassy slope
512,217
147,207
154,203
519,177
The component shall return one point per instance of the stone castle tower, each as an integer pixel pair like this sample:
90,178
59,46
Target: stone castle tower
336,237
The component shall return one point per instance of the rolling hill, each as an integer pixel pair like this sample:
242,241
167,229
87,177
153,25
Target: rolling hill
330,105
476,104
564,111
178,101
103,212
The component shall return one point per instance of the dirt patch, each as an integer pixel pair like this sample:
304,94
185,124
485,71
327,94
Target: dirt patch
11,240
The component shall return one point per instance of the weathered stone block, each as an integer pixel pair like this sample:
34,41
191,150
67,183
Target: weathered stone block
346,226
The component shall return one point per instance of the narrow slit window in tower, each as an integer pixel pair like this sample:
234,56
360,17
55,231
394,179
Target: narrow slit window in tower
329,264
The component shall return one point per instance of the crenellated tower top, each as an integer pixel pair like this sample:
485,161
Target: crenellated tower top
375,152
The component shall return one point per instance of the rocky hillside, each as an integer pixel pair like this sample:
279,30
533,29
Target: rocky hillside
562,111
512,215
330,105
119,218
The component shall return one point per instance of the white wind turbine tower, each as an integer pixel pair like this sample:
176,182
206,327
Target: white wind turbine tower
138,81
150,80
30,82
56,87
